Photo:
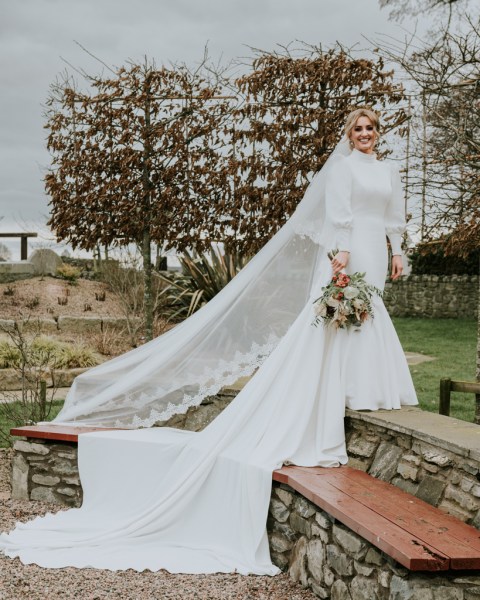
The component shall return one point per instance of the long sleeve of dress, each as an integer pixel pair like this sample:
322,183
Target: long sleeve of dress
395,213
338,194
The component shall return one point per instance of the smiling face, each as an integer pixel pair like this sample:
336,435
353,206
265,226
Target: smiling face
363,135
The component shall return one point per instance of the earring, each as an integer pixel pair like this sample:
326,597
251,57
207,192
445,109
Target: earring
351,144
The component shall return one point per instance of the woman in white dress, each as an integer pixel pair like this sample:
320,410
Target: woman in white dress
198,502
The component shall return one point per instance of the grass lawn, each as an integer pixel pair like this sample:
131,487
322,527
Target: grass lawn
453,343
6,423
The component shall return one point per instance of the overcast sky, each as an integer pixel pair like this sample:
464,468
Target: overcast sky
35,35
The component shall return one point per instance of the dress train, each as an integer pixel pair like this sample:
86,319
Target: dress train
198,502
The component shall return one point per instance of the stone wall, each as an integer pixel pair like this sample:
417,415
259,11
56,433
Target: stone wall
67,324
409,448
444,473
443,470
16,270
47,471
11,379
431,296
336,563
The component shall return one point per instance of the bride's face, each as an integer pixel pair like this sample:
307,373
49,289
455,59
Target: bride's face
363,135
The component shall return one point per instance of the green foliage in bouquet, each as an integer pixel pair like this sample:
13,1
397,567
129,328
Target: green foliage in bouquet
346,301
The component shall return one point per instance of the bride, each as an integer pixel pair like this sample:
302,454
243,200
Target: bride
157,497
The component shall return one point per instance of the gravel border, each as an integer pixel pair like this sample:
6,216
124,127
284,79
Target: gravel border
18,581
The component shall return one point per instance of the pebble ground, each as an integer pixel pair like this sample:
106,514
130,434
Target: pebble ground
19,582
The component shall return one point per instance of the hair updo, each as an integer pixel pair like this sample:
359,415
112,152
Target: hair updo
362,112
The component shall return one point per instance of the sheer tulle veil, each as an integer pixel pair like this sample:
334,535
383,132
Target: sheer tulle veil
228,338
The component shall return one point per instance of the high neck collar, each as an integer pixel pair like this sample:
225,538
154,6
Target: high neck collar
363,156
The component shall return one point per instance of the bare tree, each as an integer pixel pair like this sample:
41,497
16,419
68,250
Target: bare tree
401,8
34,363
445,78
5,253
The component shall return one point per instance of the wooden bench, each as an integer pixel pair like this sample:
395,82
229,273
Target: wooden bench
411,531
54,432
419,536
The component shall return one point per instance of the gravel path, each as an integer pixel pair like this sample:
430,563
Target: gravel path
18,582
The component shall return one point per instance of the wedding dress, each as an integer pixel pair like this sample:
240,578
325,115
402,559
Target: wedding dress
198,502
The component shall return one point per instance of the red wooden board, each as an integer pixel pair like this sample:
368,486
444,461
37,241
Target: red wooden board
465,534
419,519
408,549
54,432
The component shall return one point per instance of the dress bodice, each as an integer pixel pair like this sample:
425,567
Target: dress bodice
362,191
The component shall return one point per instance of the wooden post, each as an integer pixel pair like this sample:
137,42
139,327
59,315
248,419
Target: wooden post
477,409
444,404
43,399
24,247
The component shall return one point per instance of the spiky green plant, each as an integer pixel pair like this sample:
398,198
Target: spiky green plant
202,277
79,356
44,352
9,355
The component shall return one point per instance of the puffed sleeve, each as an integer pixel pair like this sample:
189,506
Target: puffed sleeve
395,213
338,194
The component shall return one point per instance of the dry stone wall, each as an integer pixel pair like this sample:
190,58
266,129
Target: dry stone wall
67,324
443,474
310,544
335,562
47,471
15,271
430,296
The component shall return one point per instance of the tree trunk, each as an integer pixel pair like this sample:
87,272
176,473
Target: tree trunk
147,207
147,280
477,396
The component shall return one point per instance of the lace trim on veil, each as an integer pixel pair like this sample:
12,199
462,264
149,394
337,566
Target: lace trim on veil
210,383
309,230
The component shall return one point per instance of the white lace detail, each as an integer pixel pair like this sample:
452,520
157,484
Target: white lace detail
213,380
309,230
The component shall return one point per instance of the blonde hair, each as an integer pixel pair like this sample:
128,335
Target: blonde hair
362,112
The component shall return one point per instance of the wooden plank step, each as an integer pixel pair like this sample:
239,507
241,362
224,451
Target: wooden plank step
54,432
464,533
409,550
397,506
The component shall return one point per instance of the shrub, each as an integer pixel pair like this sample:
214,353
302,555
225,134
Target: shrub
430,259
33,302
46,352
75,357
9,291
35,358
109,342
202,277
69,273
10,356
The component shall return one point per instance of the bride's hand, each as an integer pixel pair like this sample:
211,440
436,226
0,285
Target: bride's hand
340,261
397,267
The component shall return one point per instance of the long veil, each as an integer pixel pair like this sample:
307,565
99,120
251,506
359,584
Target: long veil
228,338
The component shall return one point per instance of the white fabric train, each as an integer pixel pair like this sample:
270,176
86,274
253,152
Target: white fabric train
198,502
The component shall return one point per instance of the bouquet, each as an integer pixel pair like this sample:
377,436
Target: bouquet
346,301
